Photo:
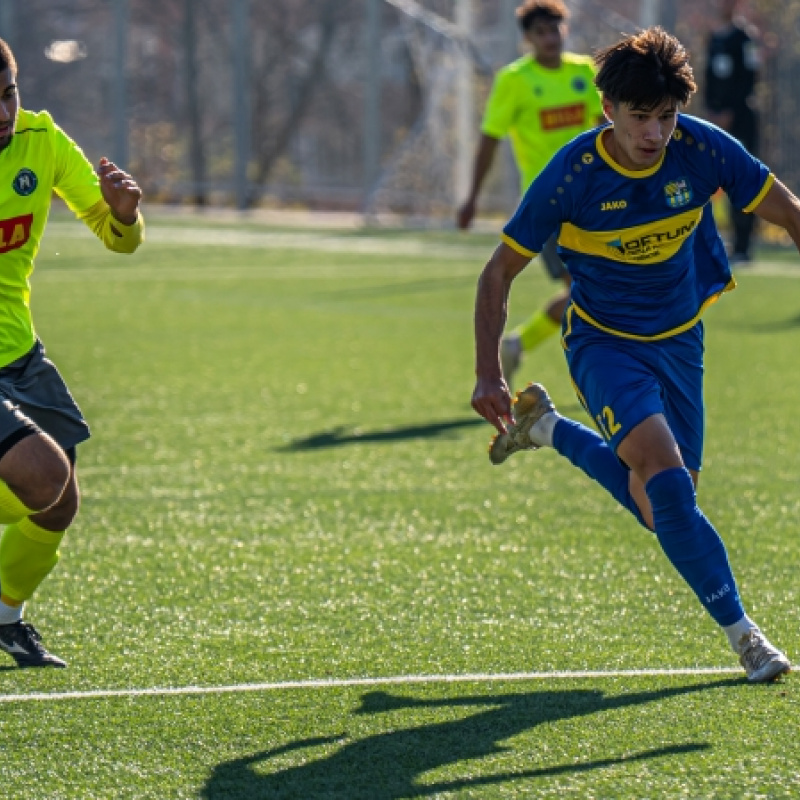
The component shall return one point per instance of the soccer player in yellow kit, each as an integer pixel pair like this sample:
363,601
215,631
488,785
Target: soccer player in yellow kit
540,101
40,424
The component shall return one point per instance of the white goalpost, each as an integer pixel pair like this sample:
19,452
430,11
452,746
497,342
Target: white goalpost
430,169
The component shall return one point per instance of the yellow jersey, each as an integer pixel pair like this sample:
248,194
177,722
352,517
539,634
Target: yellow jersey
39,160
541,109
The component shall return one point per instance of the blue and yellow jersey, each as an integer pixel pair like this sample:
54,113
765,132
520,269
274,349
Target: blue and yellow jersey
42,159
541,109
630,238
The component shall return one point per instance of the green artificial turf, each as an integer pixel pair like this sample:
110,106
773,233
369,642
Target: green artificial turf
286,483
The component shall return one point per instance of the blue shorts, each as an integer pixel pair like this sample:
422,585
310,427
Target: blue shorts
621,382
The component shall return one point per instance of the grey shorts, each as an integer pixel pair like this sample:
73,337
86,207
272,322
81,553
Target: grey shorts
551,261
33,396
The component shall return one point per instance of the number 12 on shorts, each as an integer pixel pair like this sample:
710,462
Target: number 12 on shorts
606,423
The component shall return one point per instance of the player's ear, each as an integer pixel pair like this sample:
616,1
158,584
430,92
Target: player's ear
608,109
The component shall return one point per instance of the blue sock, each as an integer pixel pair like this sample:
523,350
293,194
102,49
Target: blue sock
588,451
692,545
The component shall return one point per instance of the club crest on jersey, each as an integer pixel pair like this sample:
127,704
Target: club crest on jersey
25,183
678,193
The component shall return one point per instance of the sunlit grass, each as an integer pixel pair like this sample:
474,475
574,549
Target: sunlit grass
286,482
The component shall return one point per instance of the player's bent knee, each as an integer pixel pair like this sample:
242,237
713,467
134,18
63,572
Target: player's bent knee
59,516
49,486
37,470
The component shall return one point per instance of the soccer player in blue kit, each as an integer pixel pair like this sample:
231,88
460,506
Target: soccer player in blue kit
631,204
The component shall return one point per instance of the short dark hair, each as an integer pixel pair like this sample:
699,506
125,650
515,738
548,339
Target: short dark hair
531,10
7,60
645,69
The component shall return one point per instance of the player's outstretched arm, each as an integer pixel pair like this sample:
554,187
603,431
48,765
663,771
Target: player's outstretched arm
781,207
491,398
120,191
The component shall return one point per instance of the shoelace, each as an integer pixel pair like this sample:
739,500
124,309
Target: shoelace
755,654
32,634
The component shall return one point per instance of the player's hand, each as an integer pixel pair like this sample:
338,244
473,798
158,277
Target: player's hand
465,215
120,191
492,400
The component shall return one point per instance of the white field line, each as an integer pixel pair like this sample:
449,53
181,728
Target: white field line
337,683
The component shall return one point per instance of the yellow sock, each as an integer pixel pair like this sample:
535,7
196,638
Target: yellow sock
538,328
12,509
28,554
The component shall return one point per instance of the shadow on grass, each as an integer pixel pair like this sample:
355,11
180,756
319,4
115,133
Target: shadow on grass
777,325
340,436
767,326
336,437
387,766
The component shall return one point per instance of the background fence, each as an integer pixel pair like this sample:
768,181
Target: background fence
341,104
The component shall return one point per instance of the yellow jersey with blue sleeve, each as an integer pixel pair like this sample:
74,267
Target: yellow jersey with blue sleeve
541,109
641,246
39,160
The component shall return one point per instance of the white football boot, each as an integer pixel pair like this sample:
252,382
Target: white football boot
530,405
761,660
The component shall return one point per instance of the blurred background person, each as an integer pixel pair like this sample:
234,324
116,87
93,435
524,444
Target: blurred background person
541,101
732,62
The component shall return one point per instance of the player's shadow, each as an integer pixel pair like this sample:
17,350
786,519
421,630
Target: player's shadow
763,326
387,766
339,436
777,325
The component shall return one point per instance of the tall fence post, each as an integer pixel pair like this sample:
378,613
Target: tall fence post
465,103
372,99
668,16
120,103
649,13
241,95
8,22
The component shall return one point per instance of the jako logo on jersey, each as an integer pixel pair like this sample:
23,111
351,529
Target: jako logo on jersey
678,193
563,117
647,246
15,232
25,183
614,205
